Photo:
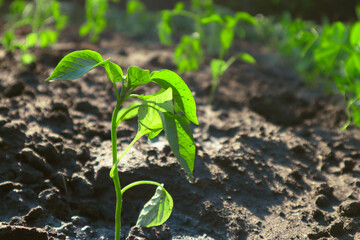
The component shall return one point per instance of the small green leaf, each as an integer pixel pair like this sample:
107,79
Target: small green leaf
137,76
113,72
218,67
355,34
244,16
31,39
48,38
157,210
181,92
226,38
247,58
28,58
213,18
179,136
8,40
76,64
134,6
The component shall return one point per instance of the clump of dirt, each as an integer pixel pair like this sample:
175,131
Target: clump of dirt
271,162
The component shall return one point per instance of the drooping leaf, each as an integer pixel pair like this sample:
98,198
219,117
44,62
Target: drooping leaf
179,136
157,210
137,76
76,64
181,92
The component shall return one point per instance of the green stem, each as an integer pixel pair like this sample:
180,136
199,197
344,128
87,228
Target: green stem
116,174
139,183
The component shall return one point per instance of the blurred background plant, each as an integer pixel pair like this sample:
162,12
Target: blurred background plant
41,22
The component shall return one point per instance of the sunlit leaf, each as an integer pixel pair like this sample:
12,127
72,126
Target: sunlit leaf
113,72
76,64
137,76
181,92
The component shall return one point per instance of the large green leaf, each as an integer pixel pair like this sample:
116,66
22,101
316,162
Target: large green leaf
137,76
157,210
179,136
181,92
76,64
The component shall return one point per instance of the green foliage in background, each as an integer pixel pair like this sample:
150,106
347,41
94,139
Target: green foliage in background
43,21
329,52
95,18
211,34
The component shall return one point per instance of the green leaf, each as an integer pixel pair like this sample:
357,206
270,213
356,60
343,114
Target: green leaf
31,39
244,16
355,34
226,38
113,72
213,18
164,28
157,210
218,67
137,76
247,58
148,116
181,92
75,65
134,6
179,136
28,58
47,38
8,40
352,65
128,112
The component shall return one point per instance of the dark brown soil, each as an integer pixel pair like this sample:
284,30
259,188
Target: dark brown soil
271,162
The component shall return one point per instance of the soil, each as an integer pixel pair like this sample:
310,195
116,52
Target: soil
271,162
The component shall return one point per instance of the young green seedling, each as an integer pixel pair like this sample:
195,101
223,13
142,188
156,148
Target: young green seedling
171,109
213,34
44,19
